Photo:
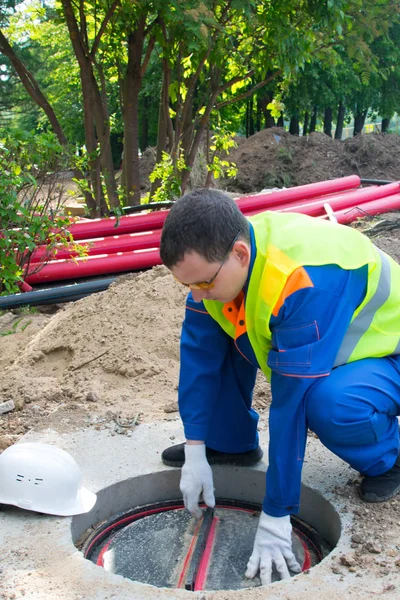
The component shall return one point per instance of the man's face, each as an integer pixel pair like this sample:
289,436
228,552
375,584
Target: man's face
195,269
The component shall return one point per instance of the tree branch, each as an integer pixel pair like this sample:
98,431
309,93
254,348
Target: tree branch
249,92
149,50
32,87
103,26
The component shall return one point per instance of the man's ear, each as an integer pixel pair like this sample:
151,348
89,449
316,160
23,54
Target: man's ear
241,251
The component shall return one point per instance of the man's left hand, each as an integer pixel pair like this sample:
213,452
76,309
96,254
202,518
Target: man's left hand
272,546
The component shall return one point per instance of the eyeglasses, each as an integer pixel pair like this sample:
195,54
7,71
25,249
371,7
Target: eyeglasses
208,285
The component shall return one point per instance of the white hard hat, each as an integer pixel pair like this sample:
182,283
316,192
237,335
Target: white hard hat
43,478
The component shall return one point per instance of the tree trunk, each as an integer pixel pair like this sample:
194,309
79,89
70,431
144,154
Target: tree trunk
247,118
102,124
258,115
385,124
161,135
251,116
340,121
306,121
359,120
131,88
205,119
280,122
144,124
268,118
314,117
294,126
266,97
99,112
328,122
96,203
186,134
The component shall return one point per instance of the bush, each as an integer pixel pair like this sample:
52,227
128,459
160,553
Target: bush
30,203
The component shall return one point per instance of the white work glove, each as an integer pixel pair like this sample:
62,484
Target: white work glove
272,545
196,477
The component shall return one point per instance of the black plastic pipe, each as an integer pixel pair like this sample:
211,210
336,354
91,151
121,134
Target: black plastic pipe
64,293
128,210
375,181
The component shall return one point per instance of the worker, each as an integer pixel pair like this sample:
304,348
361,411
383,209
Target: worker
315,306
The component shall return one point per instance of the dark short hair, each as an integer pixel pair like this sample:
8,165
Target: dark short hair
204,221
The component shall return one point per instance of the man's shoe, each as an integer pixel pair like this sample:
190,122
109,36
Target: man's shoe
174,456
382,487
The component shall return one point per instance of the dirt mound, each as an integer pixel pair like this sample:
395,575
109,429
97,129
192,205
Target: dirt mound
274,158
119,347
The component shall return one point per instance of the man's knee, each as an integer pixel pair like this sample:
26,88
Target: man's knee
340,417
321,409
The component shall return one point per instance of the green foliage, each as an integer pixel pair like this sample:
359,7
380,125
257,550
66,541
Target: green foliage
208,55
25,310
285,155
222,142
276,107
277,179
29,209
169,178
13,328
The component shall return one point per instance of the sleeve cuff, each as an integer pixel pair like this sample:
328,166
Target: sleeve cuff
278,511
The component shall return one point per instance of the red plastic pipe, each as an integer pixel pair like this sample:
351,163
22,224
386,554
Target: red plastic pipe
301,192
135,223
117,243
110,244
315,206
24,287
375,207
145,258
112,226
134,260
348,199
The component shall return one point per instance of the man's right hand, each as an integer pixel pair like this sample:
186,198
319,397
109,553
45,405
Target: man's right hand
196,477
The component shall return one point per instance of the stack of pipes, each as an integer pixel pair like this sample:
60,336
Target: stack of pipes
132,242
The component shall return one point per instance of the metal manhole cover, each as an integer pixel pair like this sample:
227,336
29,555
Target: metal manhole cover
161,545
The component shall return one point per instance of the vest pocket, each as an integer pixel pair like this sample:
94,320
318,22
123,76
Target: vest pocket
292,349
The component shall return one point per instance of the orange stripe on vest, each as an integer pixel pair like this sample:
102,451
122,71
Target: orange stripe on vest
298,280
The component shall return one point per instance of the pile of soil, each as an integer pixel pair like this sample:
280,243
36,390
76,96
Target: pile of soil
274,158
117,350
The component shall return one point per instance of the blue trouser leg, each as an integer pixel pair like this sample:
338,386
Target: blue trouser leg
354,413
233,425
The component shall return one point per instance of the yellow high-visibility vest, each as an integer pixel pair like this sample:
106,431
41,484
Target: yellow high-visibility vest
287,241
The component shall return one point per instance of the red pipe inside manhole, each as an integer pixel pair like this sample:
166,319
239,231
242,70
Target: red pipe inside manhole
161,545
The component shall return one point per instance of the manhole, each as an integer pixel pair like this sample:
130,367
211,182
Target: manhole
161,545
158,543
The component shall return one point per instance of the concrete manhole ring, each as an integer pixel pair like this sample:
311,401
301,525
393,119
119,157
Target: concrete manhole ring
141,531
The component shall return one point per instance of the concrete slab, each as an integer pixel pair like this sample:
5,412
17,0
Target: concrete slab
39,560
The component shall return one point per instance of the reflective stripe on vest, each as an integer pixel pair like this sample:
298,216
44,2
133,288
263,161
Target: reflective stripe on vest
362,322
